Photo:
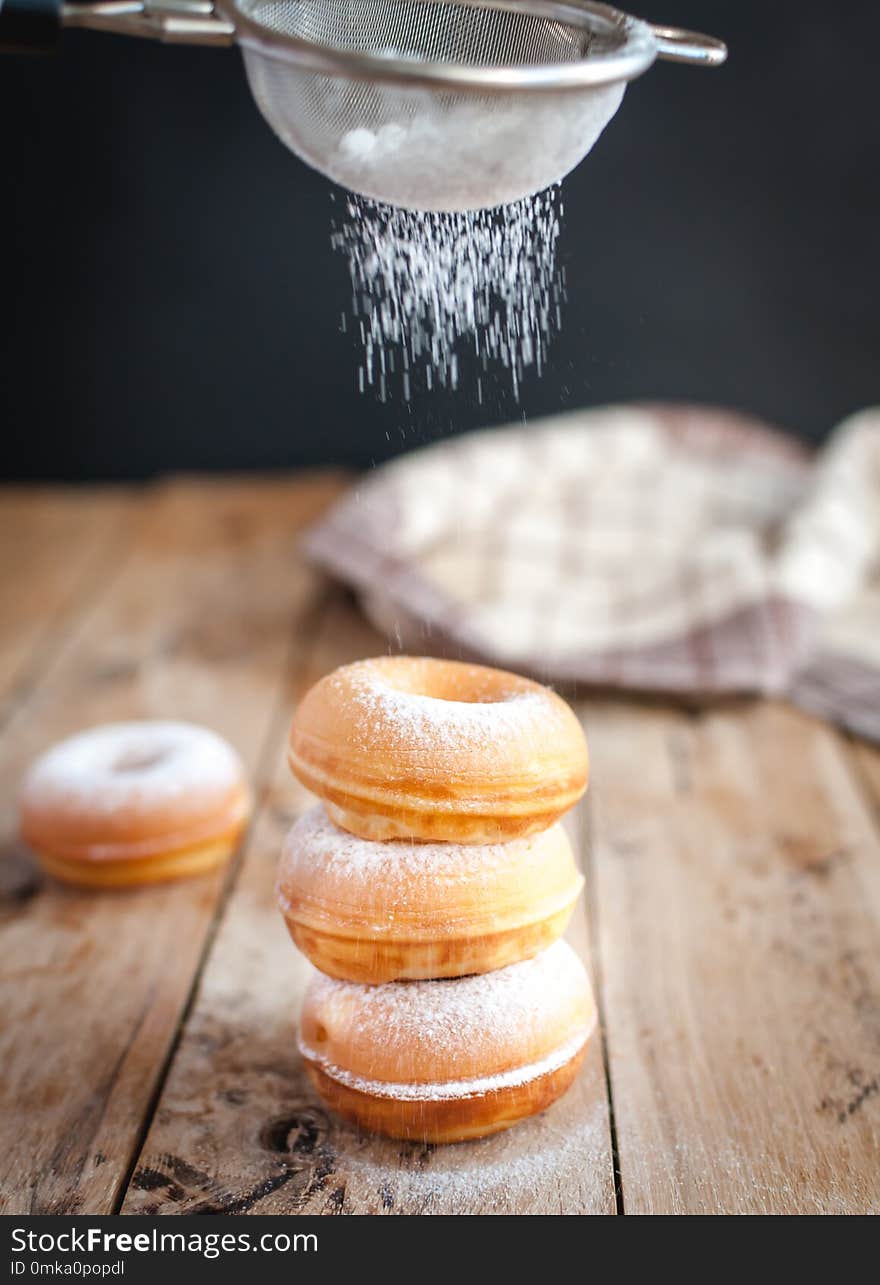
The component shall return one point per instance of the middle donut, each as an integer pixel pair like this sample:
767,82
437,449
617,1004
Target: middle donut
373,912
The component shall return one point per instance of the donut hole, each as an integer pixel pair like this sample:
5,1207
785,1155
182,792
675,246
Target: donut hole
469,697
142,760
464,685
321,1034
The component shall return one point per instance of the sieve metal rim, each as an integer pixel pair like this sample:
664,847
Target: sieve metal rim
637,51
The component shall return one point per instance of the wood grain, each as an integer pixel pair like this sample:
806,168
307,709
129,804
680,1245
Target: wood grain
201,625
737,870
57,546
238,1127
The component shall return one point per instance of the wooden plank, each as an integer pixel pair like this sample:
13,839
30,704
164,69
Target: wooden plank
57,546
238,1128
201,626
737,870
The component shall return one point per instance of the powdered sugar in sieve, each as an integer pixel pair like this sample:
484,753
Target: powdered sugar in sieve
471,153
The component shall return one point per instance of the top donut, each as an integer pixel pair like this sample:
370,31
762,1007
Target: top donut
403,747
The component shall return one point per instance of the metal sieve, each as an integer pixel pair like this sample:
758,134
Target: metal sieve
420,103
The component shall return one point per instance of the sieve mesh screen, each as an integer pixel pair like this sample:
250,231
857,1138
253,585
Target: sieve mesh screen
465,34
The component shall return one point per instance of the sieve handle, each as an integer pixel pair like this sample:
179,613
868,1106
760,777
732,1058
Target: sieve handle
35,24
677,45
181,22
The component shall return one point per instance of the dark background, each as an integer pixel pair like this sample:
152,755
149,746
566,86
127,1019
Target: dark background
172,300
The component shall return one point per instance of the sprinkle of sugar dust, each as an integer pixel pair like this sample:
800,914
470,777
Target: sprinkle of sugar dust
444,300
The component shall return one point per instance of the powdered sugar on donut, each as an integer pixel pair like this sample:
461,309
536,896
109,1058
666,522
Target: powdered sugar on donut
315,846
137,765
456,1088
462,1009
416,722
330,877
436,1019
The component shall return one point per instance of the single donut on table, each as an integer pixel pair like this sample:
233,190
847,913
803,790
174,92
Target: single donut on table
378,912
442,1061
133,803
402,747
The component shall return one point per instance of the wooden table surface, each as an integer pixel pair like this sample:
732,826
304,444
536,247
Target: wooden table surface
731,920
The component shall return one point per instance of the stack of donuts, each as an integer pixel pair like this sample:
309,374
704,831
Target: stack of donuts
431,887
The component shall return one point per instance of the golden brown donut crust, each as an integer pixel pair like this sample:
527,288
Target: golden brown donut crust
370,912
437,750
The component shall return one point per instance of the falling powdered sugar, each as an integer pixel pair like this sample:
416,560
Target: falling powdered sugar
434,292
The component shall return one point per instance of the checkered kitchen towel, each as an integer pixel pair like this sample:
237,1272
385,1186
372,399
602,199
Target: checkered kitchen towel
660,549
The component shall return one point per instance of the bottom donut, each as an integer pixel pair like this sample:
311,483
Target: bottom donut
449,1060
